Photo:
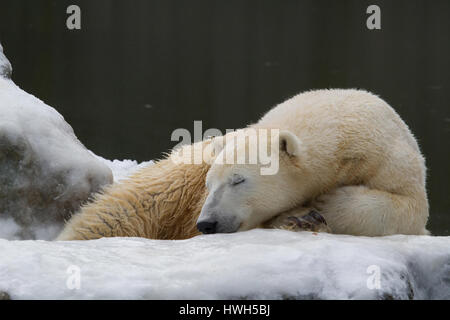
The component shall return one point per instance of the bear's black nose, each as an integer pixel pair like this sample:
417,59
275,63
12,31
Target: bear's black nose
207,227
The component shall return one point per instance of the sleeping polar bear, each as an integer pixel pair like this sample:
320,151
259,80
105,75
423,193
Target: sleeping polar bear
346,152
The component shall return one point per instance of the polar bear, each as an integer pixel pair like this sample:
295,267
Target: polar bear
346,152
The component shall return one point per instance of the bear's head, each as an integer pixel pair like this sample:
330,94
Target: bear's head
254,177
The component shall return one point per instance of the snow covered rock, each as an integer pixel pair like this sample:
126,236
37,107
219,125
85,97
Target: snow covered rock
45,171
5,66
258,264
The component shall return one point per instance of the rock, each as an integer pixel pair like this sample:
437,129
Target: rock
5,66
4,296
256,264
45,171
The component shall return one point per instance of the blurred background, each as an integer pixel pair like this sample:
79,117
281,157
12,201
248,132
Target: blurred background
139,69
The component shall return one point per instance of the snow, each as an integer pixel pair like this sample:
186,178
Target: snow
9,229
45,171
122,169
257,264
25,116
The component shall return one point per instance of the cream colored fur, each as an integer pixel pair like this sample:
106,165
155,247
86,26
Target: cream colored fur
359,165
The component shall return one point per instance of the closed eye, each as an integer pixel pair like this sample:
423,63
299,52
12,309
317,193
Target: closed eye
236,179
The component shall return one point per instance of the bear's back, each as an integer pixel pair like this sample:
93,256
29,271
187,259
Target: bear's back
335,115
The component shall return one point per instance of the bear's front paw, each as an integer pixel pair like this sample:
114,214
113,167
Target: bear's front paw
299,219
313,221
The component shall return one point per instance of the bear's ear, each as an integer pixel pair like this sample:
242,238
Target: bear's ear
290,143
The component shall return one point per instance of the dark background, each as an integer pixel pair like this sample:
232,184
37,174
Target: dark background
139,69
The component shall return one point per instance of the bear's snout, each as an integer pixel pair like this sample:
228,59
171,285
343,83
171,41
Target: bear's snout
207,227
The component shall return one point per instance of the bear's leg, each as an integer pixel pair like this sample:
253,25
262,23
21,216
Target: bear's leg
359,210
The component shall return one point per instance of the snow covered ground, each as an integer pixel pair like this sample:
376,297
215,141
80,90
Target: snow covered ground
258,264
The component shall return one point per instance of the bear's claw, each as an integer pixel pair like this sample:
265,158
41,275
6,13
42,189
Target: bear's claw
313,221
